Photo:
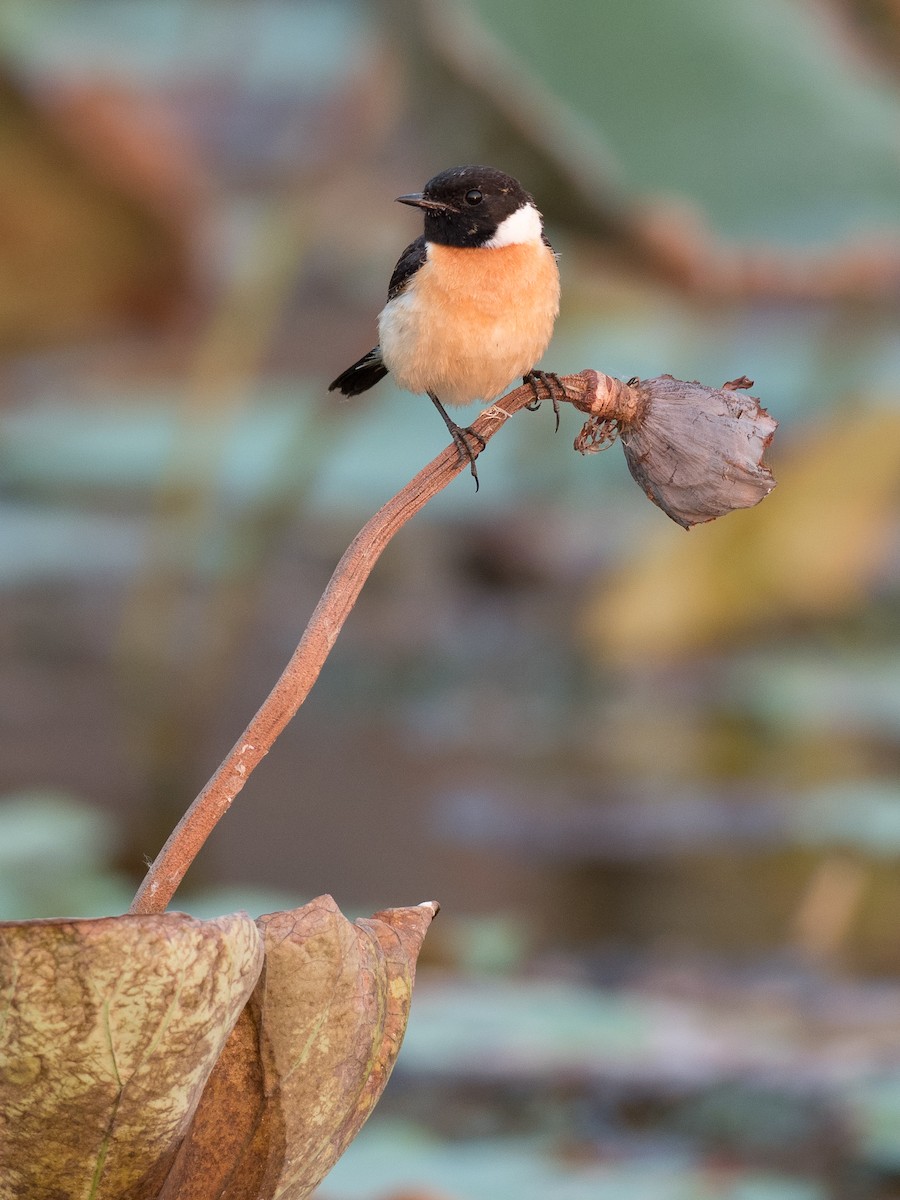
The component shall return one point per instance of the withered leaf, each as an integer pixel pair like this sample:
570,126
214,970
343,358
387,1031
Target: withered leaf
697,451
110,1029
309,1057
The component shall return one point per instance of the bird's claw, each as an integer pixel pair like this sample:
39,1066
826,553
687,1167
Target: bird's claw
461,435
551,384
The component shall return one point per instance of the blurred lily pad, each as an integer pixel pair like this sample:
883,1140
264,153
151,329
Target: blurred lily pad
55,852
48,829
863,815
873,1108
855,693
394,1159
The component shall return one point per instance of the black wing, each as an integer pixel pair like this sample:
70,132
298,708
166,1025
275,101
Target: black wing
407,264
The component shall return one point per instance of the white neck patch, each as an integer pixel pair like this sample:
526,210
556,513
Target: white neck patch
524,225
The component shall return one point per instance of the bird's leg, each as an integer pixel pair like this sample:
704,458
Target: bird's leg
555,390
461,436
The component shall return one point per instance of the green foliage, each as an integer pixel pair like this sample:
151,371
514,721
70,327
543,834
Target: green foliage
54,859
754,111
388,1157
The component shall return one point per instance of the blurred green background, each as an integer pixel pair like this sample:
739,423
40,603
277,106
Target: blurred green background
653,777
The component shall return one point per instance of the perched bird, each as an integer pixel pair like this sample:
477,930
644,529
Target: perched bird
471,304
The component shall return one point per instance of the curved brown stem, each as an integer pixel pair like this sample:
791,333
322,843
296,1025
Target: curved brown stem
298,677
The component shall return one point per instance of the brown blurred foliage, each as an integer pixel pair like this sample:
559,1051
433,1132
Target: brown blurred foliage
97,201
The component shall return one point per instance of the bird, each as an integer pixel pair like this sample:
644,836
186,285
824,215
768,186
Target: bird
471,303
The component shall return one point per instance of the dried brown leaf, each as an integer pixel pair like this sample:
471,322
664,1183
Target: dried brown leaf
309,1057
110,1030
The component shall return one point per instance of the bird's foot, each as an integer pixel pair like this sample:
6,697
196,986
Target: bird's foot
466,440
546,386
464,437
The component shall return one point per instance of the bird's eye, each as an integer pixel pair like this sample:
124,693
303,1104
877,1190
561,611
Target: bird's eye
473,197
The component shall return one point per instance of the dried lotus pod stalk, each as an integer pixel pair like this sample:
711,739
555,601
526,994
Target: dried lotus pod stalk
696,451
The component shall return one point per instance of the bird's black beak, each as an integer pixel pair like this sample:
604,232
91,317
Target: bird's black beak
418,200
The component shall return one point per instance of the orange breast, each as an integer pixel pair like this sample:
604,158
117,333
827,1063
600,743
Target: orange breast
471,320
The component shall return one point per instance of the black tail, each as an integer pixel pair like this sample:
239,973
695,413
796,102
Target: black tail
362,375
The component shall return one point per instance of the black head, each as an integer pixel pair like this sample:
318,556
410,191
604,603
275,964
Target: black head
465,206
